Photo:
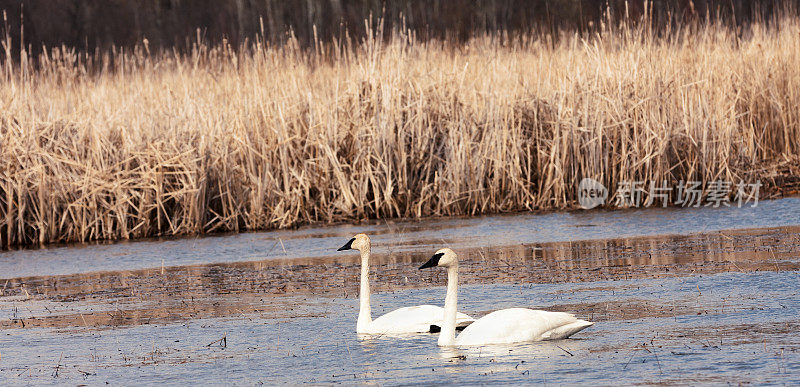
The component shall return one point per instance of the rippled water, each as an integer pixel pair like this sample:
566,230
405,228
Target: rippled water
678,297
738,328
399,237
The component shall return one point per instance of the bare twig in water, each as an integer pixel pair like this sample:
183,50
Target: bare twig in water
654,354
774,260
282,247
271,248
737,266
58,366
568,352
633,352
223,342
658,362
243,315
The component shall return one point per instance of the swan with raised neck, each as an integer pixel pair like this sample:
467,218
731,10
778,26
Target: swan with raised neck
500,327
414,319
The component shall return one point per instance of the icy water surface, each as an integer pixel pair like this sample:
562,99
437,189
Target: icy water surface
678,297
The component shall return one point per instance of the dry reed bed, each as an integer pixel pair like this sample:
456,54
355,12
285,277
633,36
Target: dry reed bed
268,137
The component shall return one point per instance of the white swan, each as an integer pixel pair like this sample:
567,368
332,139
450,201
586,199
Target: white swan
413,319
500,327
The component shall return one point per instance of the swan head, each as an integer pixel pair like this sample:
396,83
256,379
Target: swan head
443,258
358,242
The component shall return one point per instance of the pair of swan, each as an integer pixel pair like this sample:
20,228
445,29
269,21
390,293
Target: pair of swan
500,327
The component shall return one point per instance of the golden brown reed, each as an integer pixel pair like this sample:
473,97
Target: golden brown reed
134,144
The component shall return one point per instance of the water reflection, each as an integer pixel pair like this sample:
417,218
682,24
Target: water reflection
396,237
714,329
281,287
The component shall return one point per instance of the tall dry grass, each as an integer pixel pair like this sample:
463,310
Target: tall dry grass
135,144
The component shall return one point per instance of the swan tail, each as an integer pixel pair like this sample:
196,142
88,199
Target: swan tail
568,330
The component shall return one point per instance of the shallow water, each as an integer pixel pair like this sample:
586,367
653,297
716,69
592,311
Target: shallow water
739,328
706,304
395,237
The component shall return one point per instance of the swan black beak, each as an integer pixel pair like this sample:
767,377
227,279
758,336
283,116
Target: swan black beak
347,246
433,262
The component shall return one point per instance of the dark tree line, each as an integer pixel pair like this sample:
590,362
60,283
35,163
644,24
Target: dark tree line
99,24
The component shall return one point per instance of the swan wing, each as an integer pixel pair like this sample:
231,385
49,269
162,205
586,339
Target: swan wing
519,325
414,319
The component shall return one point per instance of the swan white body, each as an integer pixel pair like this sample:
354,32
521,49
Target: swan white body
518,325
413,319
505,326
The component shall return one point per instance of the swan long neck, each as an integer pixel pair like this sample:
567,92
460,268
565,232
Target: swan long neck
448,333
365,312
